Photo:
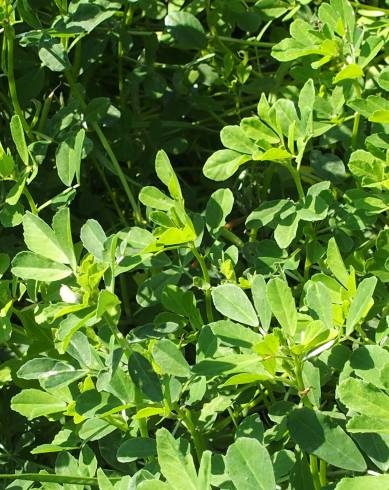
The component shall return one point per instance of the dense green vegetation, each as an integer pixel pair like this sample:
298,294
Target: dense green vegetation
194,254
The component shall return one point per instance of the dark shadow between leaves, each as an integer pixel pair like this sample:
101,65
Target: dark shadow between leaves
212,367
306,429
361,359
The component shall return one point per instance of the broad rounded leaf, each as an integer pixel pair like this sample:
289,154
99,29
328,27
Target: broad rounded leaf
320,435
249,465
233,303
282,304
136,448
186,30
41,239
170,359
28,265
223,164
34,403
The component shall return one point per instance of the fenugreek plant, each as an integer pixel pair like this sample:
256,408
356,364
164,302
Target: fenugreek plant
195,245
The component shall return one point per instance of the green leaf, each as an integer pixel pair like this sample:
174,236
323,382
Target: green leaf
383,79
176,466
222,164
153,485
273,155
68,157
319,302
103,481
266,213
286,229
154,198
17,133
28,265
364,398
261,303
93,238
169,359
186,30
234,138
167,175
107,304
349,72
52,373
53,54
218,208
363,483
380,116
249,465
368,424
256,130
335,263
319,434
136,448
361,303
41,239
282,304
63,233
7,163
306,102
311,379
85,16
144,377
34,403
233,303
369,105
205,471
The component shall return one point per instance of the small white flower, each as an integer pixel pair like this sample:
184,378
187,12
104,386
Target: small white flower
69,296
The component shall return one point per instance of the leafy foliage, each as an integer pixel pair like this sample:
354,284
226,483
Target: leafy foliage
194,254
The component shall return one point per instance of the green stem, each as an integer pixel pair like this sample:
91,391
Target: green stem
61,479
313,460
118,336
108,149
231,237
297,180
142,423
369,7
314,471
204,270
246,42
354,137
10,35
30,200
323,473
126,21
196,435
253,234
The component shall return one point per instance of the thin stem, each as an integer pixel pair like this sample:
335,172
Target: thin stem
10,35
369,7
118,335
297,180
108,149
30,200
231,237
313,460
61,479
196,435
323,473
110,192
354,137
246,42
314,471
204,270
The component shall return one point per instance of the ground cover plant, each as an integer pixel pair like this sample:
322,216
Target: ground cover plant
194,250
